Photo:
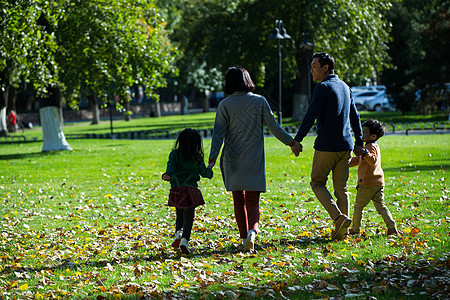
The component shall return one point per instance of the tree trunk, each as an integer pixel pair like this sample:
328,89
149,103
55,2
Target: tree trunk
127,110
51,121
158,109
94,105
54,139
3,108
302,94
205,102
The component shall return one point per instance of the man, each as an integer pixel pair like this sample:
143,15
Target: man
333,106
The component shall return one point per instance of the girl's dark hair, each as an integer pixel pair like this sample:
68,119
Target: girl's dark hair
325,59
238,79
189,142
375,127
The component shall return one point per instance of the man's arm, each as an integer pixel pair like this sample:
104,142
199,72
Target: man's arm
314,109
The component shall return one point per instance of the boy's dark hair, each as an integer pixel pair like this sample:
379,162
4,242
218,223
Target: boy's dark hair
325,59
375,127
189,142
238,79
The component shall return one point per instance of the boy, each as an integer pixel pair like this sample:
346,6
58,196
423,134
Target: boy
370,177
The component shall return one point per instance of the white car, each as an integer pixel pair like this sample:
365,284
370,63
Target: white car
377,102
360,98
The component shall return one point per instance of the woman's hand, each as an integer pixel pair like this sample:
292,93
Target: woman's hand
211,163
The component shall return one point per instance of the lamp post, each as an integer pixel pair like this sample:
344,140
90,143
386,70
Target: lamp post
279,33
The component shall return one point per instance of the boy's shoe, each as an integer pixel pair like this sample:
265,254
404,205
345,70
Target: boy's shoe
250,243
176,242
184,246
352,232
341,225
393,231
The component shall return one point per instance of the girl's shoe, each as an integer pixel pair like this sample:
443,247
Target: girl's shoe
184,246
393,231
250,243
176,242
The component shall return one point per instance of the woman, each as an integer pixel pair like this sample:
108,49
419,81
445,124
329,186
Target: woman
239,126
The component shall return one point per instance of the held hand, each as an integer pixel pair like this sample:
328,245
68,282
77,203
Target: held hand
358,150
211,163
166,177
297,148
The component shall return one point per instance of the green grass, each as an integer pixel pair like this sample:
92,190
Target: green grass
174,124
93,223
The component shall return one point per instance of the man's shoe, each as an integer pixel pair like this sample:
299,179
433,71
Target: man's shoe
184,246
341,225
393,231
176,242
352,232
250,243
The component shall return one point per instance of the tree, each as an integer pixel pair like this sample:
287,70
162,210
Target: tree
26,51
117,45
225,33
419,47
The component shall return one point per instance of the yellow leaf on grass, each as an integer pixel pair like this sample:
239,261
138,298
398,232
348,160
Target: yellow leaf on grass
354,255
23,287
38,296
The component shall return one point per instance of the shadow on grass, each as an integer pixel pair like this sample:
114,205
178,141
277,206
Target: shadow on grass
415,168
31,155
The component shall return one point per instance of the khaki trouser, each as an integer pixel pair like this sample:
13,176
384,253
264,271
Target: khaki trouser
338,163
363,197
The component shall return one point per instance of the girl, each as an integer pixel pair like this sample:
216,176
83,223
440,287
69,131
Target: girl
184,168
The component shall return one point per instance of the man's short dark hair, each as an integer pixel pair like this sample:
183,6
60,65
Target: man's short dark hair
325,59
375,127
238,79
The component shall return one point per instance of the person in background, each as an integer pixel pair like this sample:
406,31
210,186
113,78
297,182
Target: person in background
333,107
184,168
239,127
370,178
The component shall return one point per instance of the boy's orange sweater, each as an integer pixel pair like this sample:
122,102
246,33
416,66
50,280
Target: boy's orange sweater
369,170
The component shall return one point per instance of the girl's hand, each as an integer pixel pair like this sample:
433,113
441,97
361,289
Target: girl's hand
166,177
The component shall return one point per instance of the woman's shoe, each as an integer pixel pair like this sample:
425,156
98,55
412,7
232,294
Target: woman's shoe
184,246
250,243
176,242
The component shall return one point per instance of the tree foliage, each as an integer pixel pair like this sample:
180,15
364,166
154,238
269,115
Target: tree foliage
116,45
419,52
93,45
219,34
27,51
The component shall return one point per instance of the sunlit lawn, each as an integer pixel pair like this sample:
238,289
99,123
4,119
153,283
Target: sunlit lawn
92,223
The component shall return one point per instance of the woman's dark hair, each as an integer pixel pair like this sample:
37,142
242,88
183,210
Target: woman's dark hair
238,79
375,127
189,142
325,59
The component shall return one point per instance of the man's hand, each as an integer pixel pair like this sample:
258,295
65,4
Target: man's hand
166,177
358,150
296,148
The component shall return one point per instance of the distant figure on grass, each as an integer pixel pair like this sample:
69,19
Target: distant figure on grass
370,177
239,126
333,107
184,168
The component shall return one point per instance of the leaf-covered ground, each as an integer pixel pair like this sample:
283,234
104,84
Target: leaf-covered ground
92,224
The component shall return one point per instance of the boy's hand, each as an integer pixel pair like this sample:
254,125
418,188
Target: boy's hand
166,177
